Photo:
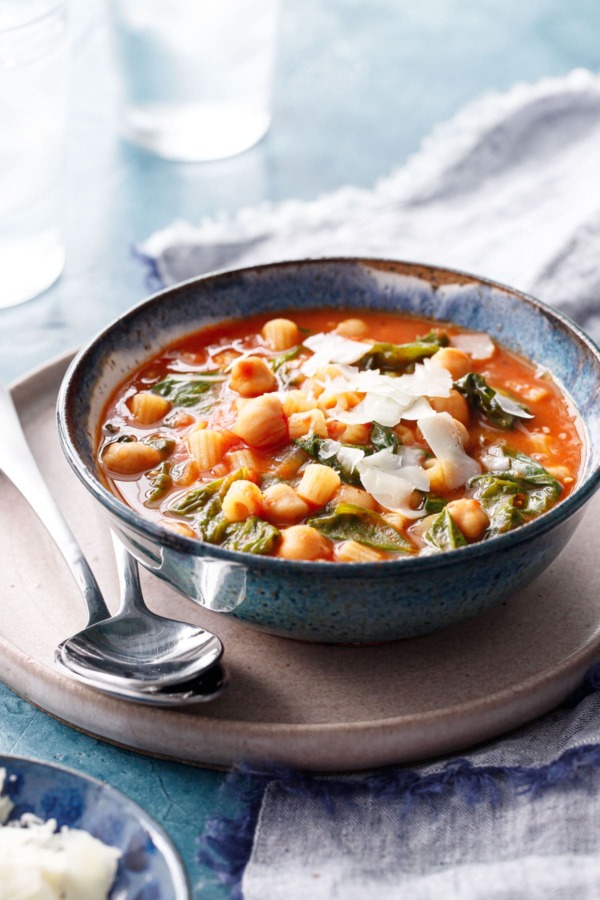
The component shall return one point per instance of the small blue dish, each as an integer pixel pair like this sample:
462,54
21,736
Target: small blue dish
149,868
322,601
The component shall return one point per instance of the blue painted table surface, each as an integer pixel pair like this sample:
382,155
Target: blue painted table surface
358,85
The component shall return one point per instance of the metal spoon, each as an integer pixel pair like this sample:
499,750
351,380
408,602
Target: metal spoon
204,687
135,651
137,646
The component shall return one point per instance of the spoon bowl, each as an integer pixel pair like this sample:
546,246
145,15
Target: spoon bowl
200,689
137,648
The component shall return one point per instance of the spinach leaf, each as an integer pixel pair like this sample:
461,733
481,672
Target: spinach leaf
205,506
501,499
252,536
396,357
353,523
434,504
313,446
200,497
165,445
278,361
444,533
187,389
160,482
381,437
483,399
522,491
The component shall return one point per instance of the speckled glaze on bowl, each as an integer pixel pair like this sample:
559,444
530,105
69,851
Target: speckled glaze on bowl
323,601
149,866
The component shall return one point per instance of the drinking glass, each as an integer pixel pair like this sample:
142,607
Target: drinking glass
33,62
195,74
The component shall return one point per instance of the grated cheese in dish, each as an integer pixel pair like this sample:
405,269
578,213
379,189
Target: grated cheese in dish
37,862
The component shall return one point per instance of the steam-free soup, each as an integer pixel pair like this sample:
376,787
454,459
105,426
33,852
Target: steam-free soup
354,438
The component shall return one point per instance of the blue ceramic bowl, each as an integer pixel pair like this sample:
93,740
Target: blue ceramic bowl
322,601
149,867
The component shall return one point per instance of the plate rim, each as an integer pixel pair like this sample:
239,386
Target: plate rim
480,719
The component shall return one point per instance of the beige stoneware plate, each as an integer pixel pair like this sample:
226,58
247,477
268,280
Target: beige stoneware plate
312,706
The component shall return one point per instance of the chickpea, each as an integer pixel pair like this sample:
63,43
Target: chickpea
355,434
469,516
437,478
261,423
406,434
455,404
304,542
347,493
456,361
281,334
148,408
352,328
281,503
130,457
251,376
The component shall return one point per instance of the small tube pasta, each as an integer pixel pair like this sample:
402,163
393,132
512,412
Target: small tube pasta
185,473
260,422
318,484
297,401
354,551
356,496
251,377
304,542
243,459
242,500
130,457
281,334
208,447
310,422
148,408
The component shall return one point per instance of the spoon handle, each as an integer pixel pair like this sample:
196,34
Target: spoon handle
129,578
18,464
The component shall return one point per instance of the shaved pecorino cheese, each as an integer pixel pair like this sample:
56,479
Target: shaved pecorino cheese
510,406
332,348
391,479
477,345
445,440
427,380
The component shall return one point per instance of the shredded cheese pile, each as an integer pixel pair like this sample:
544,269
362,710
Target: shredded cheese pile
39,863
391,478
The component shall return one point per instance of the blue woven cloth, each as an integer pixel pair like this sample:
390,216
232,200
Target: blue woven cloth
516,818
508,189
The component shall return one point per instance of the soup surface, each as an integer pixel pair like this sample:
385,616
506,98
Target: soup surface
351,438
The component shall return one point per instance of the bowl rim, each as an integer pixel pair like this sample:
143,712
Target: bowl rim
201,549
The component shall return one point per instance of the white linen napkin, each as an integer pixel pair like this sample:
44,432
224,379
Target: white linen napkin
509,189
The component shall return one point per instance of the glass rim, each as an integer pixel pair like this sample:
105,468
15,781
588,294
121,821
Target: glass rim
55,7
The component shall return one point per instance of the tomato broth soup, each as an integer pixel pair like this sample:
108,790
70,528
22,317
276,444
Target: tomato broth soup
351,437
